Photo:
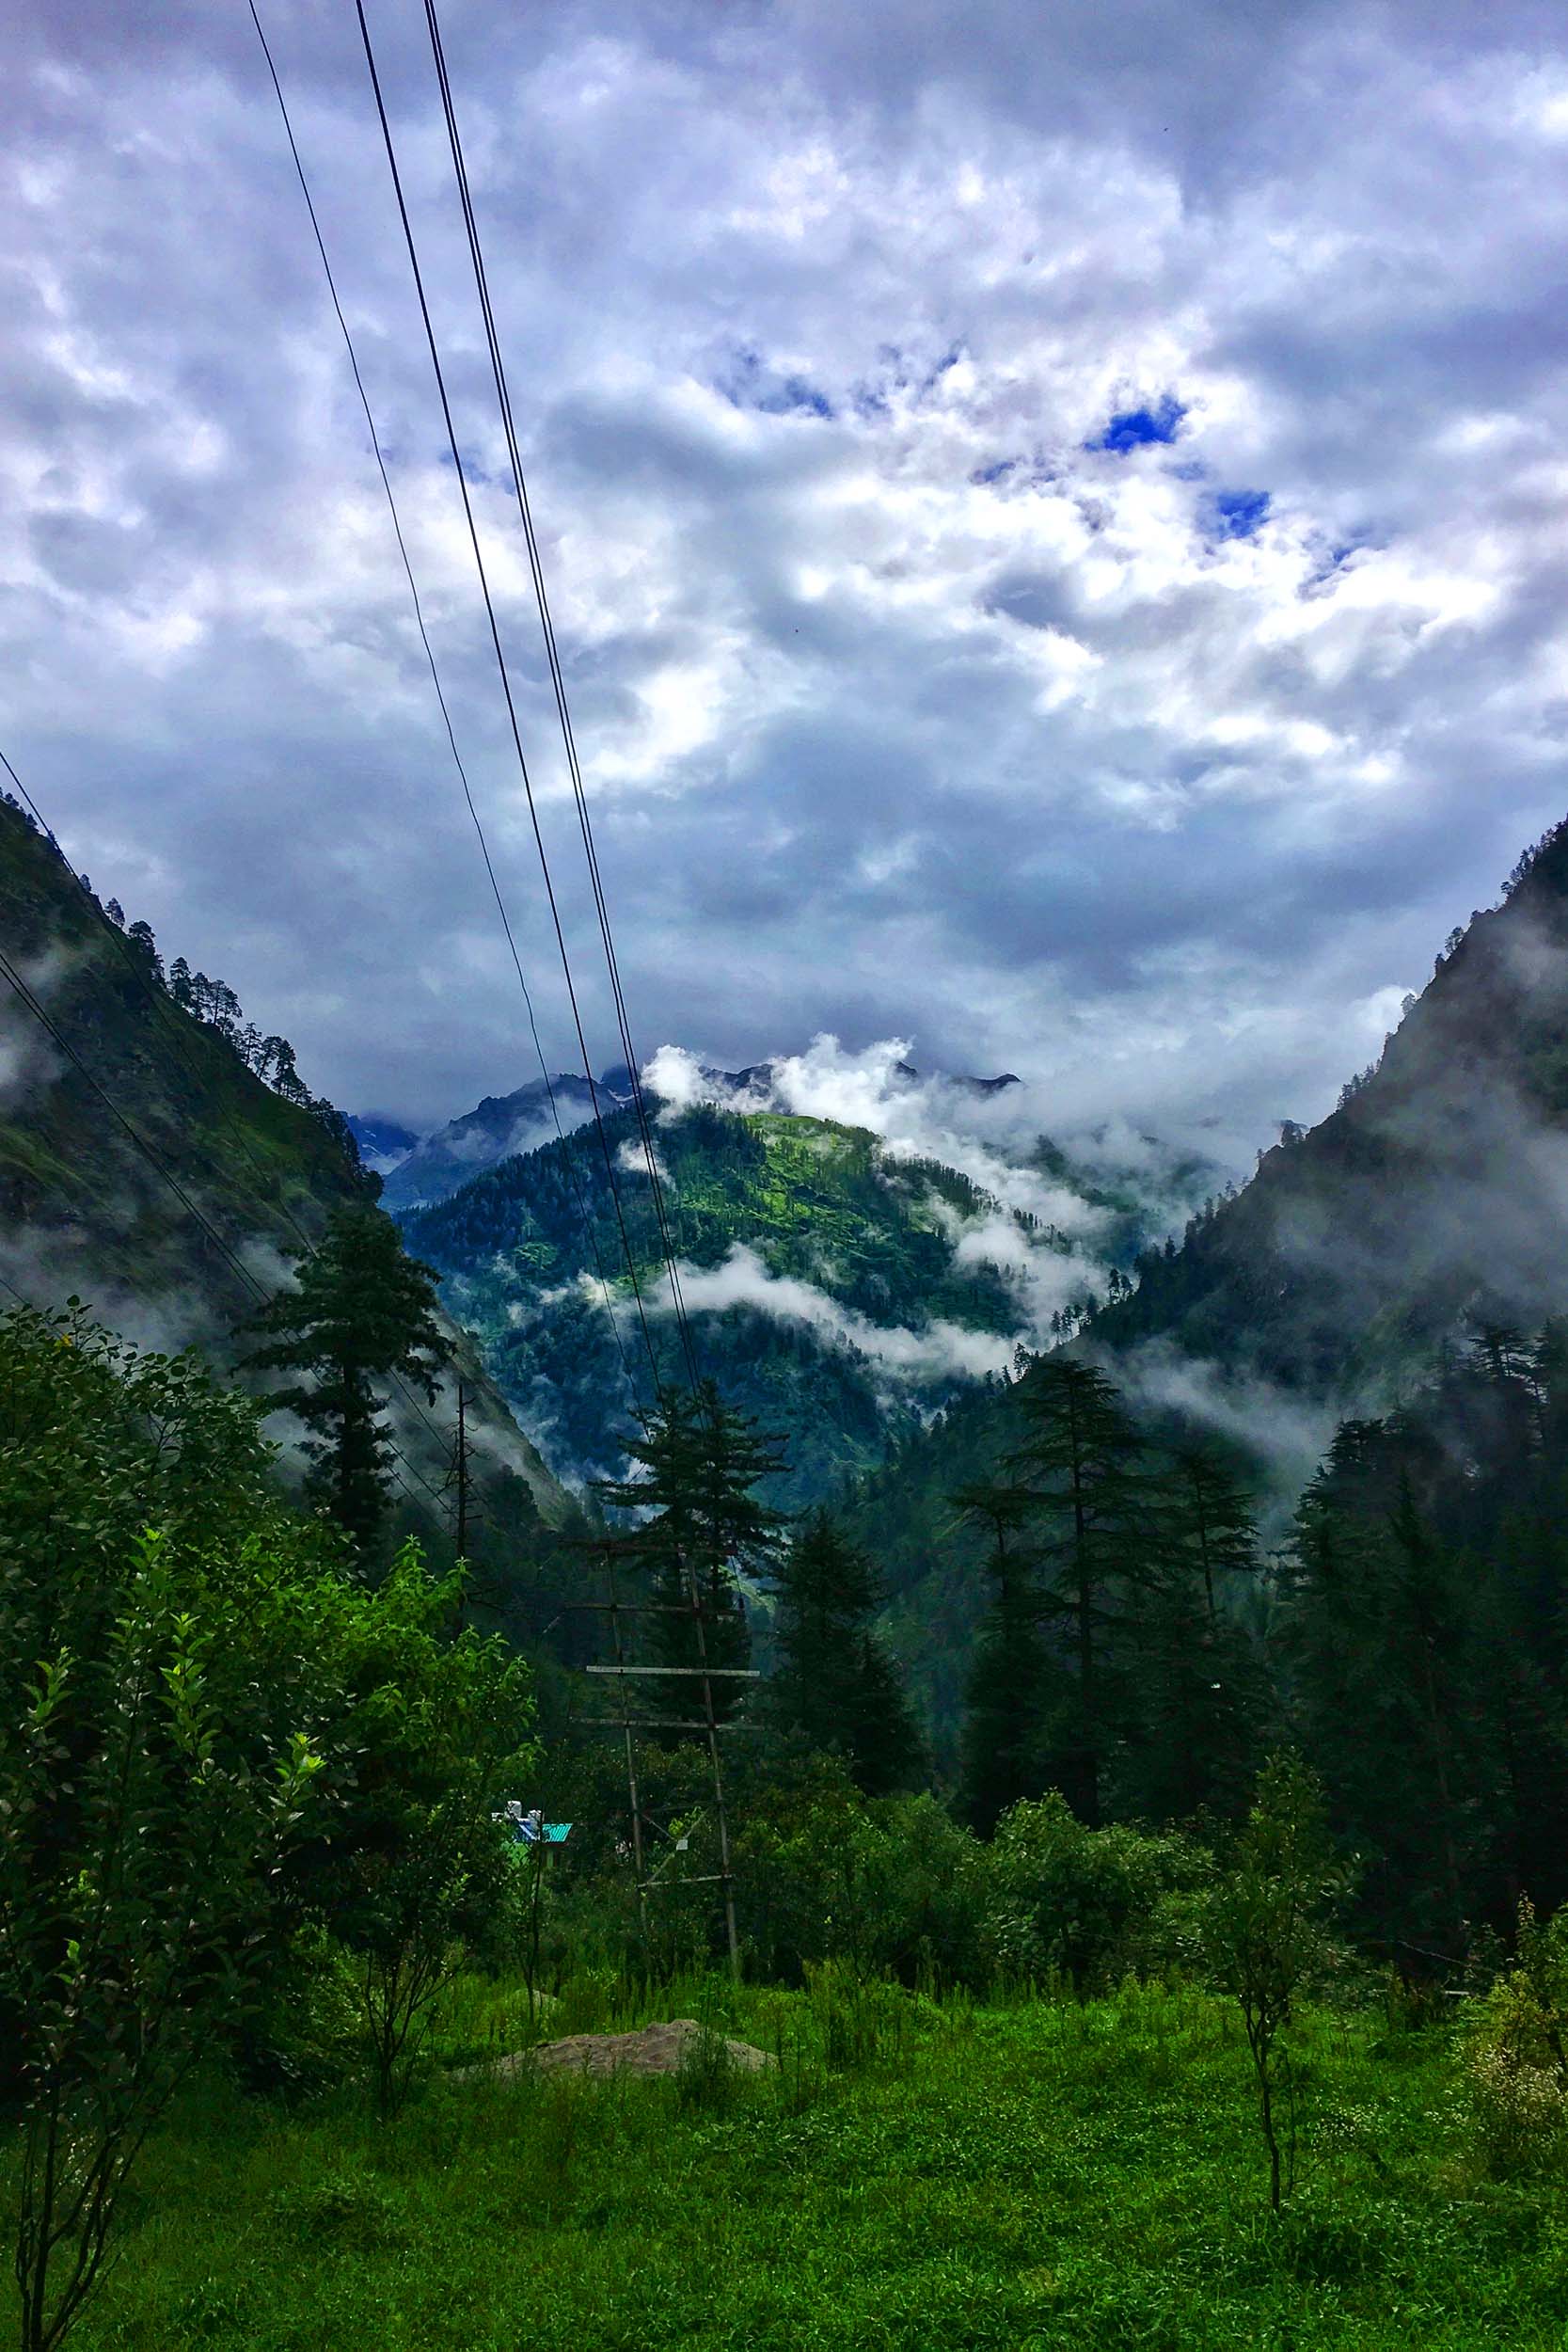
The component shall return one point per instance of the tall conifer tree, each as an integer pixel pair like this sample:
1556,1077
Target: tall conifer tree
1077,1465
361,1312
1011,1670
835,1684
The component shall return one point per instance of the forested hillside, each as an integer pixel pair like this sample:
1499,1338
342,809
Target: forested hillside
162,1159
1361,1257
215,1104
1436,1188
839,1294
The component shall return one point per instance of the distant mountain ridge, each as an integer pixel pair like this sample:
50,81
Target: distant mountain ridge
420,1170
759,1077
497,1129
383,1142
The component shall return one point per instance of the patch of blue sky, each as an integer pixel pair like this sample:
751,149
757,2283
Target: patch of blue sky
902,371
1240,514
754,385
1136,428
933,376
795,396
479,476
1331,560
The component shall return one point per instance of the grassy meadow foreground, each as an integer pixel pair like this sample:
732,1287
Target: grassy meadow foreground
912,2174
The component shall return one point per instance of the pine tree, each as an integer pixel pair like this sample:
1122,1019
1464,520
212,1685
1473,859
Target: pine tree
1381,1647
1199,1698
835,1684
1011,1670
1077,1464
141,938
1207,1522
361,1312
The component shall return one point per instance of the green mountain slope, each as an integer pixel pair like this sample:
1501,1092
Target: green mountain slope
90,1195
77,1197
840,1294
1435,1193
1438,1188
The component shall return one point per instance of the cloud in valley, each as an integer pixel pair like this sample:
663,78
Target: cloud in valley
941,1351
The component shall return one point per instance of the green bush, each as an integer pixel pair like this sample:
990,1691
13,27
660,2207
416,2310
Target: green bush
888,1885
226,1757
1092,1905
1513,2093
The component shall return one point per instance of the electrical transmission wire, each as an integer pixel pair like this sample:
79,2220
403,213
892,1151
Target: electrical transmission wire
506,688
440,694
558,683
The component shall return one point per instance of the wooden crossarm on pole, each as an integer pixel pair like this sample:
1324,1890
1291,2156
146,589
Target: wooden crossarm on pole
700,1674
652,1723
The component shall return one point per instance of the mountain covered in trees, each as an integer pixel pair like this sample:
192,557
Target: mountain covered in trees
838,1292
1352,1273
162,1159
497,1129
420,1170
1438,1189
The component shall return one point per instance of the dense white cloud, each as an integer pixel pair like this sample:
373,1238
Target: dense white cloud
939,1351
918,696
1042,1227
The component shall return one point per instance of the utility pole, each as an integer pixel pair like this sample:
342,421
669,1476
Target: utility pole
458,1474
703,1675
725,1877
633,1790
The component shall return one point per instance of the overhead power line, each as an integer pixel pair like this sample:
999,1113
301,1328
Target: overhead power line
461,471
557,681
435,681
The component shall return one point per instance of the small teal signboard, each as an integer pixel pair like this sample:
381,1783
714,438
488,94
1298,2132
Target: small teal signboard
532,1829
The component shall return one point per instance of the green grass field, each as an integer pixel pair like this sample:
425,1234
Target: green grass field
913,2177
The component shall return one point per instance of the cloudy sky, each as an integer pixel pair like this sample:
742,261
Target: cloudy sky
1054,519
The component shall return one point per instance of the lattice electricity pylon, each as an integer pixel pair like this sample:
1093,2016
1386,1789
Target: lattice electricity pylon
705,1675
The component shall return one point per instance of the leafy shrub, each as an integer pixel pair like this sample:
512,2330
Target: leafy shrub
706,2075
301,2037
1512,2095
1060,1900
228,1757
1266,1940
887,1884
